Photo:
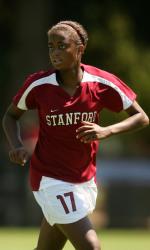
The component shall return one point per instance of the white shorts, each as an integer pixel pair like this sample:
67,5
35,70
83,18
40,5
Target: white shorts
63,202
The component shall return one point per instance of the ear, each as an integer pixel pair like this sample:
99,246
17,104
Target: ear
81,49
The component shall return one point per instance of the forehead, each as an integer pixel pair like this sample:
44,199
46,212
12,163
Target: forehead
61,34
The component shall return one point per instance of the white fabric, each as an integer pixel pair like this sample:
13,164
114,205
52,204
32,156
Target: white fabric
53,193
91,78
45,80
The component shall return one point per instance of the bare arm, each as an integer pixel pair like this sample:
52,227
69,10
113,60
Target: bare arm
18,153
137,119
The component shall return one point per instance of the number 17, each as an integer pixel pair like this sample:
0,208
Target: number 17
62,200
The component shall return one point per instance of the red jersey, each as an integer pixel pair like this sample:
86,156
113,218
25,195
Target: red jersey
58,153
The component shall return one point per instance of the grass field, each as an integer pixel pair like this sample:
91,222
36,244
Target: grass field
25,239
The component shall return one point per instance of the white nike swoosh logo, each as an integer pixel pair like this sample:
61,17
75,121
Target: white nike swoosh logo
54,110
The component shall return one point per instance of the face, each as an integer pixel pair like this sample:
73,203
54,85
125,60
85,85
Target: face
64,51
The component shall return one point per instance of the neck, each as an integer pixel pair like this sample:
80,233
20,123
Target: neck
71,77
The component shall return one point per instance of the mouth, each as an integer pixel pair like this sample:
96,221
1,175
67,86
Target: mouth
56,62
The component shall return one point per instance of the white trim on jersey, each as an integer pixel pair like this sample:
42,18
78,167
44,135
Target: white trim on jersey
45,80
87,77
90,78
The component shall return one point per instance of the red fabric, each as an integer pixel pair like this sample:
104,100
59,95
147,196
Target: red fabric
58,154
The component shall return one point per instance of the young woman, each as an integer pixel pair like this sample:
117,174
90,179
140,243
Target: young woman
69,99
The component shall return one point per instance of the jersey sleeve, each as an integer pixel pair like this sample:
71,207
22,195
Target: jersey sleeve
25,97
117,95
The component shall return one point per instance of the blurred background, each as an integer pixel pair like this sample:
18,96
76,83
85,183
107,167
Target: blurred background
119,42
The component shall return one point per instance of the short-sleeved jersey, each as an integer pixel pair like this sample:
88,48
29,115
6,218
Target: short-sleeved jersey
58,153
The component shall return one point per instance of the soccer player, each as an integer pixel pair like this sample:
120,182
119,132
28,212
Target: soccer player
69,99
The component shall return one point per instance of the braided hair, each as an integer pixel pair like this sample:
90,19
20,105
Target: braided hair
77,27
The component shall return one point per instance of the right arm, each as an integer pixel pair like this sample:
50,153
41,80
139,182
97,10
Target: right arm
18,154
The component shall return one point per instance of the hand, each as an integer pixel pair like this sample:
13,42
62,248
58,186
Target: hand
19,155
91,131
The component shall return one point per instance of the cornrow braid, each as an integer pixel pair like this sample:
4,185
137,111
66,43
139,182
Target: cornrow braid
77,27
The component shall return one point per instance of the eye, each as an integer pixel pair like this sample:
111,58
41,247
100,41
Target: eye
62,46
50,47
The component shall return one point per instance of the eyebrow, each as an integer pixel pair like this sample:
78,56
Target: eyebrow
60,42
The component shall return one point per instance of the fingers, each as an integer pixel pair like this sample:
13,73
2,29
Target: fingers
12,156
88,138
23,162
91,131
84,128
19,156
86,125
86,133
24,158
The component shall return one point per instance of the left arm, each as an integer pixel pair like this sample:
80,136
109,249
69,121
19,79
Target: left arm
137,119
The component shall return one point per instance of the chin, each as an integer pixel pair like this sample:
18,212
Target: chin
61,67
58,66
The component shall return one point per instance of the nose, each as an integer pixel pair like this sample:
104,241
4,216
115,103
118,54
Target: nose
55,52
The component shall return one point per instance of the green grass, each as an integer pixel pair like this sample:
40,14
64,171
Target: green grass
25,239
